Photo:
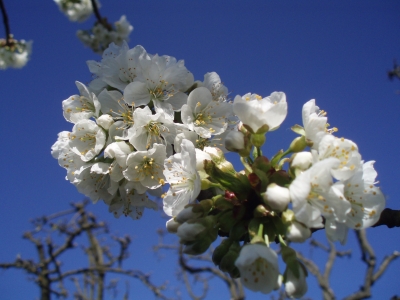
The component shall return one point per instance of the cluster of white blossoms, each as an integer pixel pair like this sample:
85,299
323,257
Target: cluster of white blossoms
14,55
102,34
121,147
99,37
76,10
144,129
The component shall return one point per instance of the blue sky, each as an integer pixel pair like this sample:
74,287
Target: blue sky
335,52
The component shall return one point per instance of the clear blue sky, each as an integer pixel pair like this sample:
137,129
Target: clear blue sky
337,52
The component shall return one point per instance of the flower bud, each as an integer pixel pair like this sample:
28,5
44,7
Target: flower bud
298,144
234,141
260,211
172,225
276,197
296,286
188,232
257,139
105,121
227,263
221,251
298,233
187,214
218,157
301,160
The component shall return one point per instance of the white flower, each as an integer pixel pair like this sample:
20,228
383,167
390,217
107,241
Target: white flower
313,193
296,286
60,144
99,37
113,103
185,185
255,111
164,81
314,122
15,55
213,83
345,151
130,202
119,65
185,135
93,181
367,201
119,151
276,197
146,166
76,10
204,115
336,231
87,139
258,266
85,106
150,129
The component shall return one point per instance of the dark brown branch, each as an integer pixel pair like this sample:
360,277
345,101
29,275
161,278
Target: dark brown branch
6,24
389,217
101,20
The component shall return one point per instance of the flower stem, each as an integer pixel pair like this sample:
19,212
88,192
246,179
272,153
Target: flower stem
6,24
98,16
246,165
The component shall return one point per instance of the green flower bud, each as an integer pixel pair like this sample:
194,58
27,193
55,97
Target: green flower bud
239,186
227,263
298,144
221,251
257,140
280,177
261,211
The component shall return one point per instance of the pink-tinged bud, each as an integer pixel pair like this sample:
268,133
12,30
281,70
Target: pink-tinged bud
276,197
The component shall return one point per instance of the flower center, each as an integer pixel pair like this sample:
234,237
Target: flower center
160,92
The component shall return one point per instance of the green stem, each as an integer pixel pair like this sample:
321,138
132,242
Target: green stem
281,240
246,165
261,230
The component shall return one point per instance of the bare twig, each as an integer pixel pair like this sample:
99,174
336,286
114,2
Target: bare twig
369,258
47,269
323,277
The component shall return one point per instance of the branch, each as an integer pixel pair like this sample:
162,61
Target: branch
389,217
369,258
101,20
323,278
157,290
234,285
6,24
